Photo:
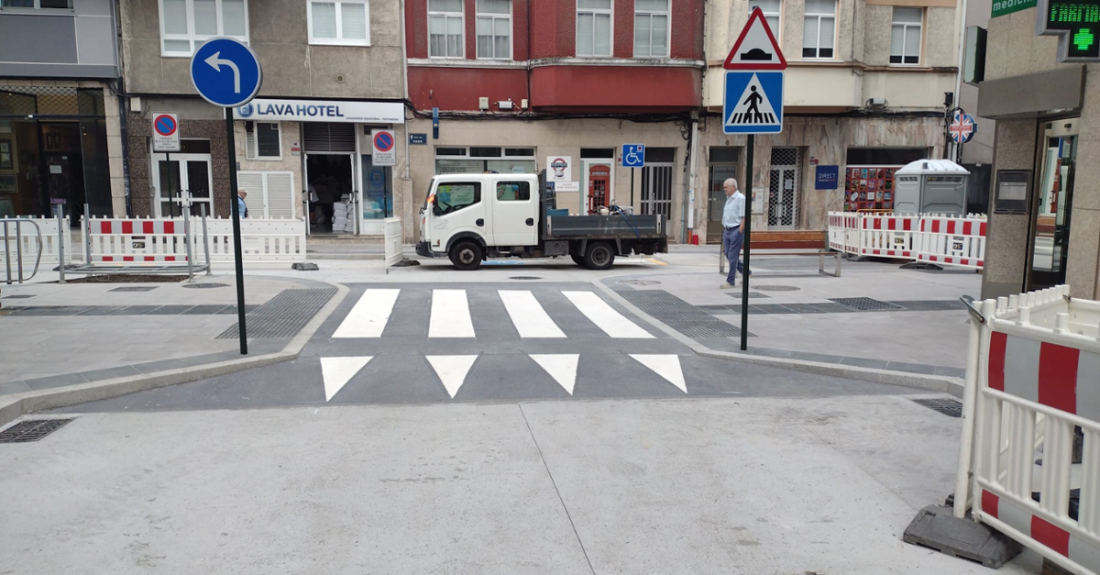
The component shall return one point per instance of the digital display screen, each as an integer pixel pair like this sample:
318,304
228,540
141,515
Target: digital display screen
1081,19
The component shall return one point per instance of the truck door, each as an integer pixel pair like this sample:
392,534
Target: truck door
457,207
515,213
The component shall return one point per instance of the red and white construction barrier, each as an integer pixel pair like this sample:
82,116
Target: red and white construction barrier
162,240
1033,378
944,240
123,240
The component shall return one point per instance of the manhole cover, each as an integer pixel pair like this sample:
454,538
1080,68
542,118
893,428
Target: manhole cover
525,278
204,286
640,282
865,304
776,288
948,407
31,430
136,288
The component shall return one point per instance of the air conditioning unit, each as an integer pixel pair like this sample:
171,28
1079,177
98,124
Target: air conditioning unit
877,103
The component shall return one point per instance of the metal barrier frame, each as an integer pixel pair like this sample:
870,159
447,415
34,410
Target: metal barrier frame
19,248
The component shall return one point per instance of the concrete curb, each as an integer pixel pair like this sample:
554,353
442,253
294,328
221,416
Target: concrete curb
23,403
951,385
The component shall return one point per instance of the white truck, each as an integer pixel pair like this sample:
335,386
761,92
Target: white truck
472,217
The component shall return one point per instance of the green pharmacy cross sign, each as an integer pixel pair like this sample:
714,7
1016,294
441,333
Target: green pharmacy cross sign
1077,25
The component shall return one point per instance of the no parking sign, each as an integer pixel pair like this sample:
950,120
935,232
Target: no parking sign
385,148
166,133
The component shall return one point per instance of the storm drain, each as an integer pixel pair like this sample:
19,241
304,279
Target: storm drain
204,286
135,288
31,430
284,315
865,304
949,407
680,315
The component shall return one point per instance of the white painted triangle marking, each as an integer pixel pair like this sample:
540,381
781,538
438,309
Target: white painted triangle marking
561,367
452,370
338,371
753,107
666,366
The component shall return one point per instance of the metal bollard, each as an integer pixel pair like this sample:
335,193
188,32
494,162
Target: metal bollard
205,238
186,212
19,249
7,254
87,234
60,245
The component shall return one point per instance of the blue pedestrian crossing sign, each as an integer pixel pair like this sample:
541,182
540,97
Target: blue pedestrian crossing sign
226,73
753,102
633,156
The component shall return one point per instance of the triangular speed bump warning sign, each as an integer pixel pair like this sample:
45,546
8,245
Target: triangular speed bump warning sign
756,48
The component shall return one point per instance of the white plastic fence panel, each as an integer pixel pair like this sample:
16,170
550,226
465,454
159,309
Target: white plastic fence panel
261,240
137,241
393,241
953,241
28,237
888,235
1034,387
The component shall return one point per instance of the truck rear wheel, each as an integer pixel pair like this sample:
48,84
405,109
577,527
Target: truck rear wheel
600,256
466,255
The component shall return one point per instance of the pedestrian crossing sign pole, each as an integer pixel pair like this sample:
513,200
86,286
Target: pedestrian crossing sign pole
753,104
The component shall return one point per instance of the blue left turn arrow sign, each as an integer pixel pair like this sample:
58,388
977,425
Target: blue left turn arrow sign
226,72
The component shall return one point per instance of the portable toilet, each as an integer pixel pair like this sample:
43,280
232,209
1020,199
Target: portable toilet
931,187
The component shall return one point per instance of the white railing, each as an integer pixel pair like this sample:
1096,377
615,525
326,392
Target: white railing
393,241
135,241
1032,389
29,241
944,240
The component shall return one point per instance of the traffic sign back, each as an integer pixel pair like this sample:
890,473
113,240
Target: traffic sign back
756,48
225,72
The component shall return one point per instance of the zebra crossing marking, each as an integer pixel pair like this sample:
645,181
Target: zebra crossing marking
369,316
561,367
450,314
529,317
452,370
338,371
666,366
605,317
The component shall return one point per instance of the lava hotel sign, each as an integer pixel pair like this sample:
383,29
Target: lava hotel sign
262,109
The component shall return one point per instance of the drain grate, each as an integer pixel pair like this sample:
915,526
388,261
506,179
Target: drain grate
777,288
284,315
204,286
136,288
865,304
31,430
949,407
24,296
525,278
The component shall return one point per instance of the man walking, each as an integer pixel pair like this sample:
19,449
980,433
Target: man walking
241,194
733,229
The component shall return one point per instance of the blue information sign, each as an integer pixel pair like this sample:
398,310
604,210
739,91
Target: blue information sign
633,156
827,177
753,102
418,139
226,72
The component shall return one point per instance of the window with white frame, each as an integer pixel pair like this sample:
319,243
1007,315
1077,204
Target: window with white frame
38,4
819,29
651,28
494,29
771,10
593,27
484,159
186,24
339,22
905,36
262,141
446,37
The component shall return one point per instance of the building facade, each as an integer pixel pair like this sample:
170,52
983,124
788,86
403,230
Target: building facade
522,85
333,75
60,134
1045,203
865,94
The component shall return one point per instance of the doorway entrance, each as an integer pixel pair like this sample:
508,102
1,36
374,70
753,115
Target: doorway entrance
1053,204
723,165
783,189
329,179
177,174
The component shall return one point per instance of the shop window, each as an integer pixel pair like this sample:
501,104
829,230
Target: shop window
905,36
651,28
771,10
37,4
484,160
494,29
445,29
343,22
262,141
513,191
186,24
819,29
593,27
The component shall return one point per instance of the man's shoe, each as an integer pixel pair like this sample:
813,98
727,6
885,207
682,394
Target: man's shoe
727,286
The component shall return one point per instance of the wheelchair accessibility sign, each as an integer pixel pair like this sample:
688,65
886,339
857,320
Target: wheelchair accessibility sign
633,156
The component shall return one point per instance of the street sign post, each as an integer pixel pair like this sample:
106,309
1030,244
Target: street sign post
753,104
227,73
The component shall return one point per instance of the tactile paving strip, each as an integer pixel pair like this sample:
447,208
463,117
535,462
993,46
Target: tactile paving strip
284,315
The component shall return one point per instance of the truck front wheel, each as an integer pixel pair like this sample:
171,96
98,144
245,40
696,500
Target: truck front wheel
577,259
466,255
600,256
